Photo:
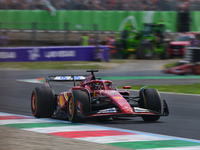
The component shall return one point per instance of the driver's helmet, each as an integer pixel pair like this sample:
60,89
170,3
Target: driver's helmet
96,86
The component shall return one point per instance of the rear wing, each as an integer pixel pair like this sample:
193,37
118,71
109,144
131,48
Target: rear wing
65,78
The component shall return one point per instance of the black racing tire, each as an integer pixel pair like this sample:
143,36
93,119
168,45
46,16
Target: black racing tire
43,102
165,54
145,51
152,101
196,69
75,112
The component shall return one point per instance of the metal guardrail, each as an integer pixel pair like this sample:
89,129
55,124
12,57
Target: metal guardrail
5,26
63,36
34,30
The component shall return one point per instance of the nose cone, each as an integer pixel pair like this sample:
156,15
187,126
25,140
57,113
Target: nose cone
128,110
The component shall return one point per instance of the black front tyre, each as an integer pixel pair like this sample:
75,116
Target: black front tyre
78,104
150,118
43,102
151,101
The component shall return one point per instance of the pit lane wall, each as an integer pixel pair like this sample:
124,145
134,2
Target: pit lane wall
84,20
58,53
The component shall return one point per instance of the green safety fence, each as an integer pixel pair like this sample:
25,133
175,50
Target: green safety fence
195,21
84,20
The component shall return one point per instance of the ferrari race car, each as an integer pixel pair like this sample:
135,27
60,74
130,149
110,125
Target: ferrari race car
94,97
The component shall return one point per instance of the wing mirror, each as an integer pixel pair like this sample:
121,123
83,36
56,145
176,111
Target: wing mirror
126,87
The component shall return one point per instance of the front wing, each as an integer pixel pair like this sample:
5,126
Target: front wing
115,112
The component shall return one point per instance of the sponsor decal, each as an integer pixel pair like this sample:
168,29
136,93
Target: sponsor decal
63,78
33,54
126,107
112,92
66,96
61,100
79,107
70,78
63,53
137,109
118,97
6,55
110,110
77,77
56,53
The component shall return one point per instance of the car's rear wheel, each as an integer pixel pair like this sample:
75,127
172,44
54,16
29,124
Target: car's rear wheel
151,101
43,102
78,104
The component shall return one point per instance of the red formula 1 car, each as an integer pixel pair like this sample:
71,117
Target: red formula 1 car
185,67
94,97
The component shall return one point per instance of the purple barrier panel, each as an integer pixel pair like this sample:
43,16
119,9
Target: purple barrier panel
58,53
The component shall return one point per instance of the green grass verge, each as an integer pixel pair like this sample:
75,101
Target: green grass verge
61,65
187,89
170,65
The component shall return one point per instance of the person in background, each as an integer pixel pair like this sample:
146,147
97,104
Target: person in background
4,39
98,54
111,42
92,40
194,42
84,40
108,40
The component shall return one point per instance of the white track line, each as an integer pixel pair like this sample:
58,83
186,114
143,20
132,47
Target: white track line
121,138
18,121
177,148
64,129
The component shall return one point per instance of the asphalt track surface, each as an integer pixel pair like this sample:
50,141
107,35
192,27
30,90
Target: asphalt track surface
183,120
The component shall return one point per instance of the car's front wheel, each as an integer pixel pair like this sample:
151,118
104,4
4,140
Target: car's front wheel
151,101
